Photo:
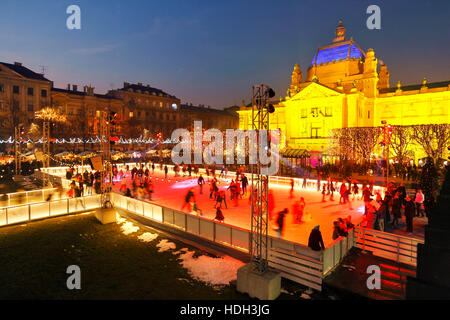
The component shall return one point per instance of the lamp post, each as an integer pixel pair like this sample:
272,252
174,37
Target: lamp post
387,132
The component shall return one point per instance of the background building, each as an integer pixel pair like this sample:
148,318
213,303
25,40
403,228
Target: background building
210,117
80,109
343,88
148,108
22,92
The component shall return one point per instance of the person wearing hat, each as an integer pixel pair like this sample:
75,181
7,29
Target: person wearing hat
315,241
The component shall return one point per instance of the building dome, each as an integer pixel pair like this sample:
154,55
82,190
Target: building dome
338,51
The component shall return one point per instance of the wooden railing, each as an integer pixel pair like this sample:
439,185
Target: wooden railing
387,245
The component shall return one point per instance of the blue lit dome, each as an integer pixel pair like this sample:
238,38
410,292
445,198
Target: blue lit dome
338,51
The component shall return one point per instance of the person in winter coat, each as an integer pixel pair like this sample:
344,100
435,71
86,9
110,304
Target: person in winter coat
396,205
219,215
419,203
244,182
409,213
201,182
187,199
315,241
336,230
280,221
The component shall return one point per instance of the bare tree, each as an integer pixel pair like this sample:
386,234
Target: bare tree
355,143
400,141
433,138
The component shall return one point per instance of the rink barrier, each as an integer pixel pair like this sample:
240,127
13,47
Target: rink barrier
333,255
294,261
39,195
387,245
47,209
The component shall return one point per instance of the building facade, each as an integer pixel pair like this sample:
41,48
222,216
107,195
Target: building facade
80,109
148,108
22,93
346,87
210,117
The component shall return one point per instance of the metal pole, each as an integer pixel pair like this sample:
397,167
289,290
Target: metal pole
260,184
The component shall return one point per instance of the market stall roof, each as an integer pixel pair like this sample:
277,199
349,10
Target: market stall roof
86,154
62,154
294,153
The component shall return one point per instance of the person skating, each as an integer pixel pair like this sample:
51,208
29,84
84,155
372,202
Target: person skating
367,198
244,182
355,190
201,182
332,190
342,191
150,189
280,221
188,199
123,185
271,204
196,210
396,205
221,198
165,171
291,192
219,215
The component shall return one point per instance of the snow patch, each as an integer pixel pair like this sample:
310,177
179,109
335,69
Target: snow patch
147,236
305,296
285,291
213,271
180,251
119,219
128,228
165,245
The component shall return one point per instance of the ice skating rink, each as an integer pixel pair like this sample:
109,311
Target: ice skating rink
171,193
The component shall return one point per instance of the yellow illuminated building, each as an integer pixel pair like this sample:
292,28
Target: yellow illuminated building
348,87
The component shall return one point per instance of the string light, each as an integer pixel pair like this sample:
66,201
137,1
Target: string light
77,140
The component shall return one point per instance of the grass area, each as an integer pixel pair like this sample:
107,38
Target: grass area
35,257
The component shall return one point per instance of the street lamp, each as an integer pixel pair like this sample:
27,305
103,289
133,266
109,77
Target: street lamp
387,132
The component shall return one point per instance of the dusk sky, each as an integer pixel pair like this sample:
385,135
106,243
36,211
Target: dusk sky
212,52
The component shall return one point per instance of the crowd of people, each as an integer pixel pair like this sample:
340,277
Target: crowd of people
380,212
385,213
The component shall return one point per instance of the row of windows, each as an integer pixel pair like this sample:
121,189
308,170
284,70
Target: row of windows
161,115
316,111
30,91
160,104
30,106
